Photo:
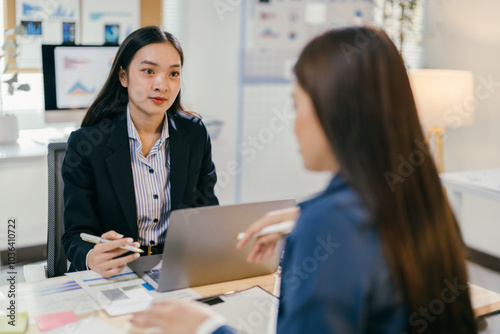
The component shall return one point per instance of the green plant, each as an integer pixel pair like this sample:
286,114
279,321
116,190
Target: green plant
399,19
10,49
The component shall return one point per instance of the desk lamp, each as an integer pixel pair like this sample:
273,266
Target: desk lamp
444,98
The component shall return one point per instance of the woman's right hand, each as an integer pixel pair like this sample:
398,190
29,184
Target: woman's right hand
266,243
103,258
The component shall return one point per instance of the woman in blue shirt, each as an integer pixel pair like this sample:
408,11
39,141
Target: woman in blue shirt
379,251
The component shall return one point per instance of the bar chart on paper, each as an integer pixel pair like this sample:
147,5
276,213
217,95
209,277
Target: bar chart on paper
61,293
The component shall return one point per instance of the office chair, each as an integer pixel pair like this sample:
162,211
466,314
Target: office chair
57,264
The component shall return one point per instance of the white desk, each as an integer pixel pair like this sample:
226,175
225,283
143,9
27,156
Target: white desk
33,143
475,199
23,185
484,301
483,183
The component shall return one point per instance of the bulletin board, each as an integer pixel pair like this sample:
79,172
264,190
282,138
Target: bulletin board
54,21
277,30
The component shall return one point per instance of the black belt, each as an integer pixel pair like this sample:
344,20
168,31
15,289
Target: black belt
152,250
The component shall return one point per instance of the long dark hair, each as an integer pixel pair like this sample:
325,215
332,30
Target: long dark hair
362,96
113,97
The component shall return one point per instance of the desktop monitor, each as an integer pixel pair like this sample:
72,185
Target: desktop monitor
72,77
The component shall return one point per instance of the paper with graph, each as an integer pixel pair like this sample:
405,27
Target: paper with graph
50,296
124,293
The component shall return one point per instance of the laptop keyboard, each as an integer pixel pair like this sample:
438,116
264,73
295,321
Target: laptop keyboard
154,274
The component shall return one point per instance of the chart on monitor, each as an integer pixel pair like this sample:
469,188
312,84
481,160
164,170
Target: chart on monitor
73,75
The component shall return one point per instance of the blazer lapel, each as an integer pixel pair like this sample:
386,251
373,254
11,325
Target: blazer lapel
120,170
179,162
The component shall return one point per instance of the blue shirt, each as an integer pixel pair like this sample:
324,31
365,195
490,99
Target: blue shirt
335,277
151,184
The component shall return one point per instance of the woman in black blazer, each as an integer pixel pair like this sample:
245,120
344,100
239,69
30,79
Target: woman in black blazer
137,156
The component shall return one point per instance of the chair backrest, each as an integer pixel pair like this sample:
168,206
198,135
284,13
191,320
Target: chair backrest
57,264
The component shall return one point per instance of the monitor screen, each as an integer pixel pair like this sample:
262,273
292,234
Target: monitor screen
74,74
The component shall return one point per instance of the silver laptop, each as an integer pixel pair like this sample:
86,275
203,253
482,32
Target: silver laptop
200,247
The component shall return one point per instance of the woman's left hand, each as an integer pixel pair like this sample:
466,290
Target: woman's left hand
173,316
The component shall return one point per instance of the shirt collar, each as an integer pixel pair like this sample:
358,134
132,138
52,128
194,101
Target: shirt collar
336,183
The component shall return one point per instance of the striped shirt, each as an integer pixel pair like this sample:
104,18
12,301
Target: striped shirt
151,184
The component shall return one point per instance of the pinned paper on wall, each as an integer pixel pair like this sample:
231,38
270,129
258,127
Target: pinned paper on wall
110,20
277,25
277,30
44,24
315,13
61,21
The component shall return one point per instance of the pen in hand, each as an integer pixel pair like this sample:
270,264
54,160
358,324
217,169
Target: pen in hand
281,228
95,239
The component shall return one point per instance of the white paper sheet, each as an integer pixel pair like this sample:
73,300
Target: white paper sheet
124,293
250,311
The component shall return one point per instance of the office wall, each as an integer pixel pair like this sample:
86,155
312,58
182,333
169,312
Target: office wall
464,34
211,76
212,37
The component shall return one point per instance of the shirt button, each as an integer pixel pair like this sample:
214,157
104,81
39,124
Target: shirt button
155,220
151,170
155,196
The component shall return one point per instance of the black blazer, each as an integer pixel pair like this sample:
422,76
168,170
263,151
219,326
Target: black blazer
98,183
